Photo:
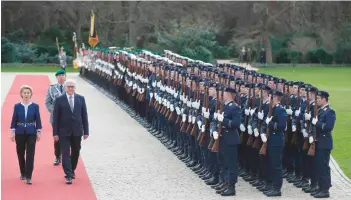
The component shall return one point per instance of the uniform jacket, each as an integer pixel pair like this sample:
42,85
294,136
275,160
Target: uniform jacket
231,124
324,127
277,126
52,93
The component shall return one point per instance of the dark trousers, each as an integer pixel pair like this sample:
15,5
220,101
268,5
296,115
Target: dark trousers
275,157
70,148
231,162
25,144
322,164
57,148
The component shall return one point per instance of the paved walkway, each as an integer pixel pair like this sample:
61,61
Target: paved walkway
124,161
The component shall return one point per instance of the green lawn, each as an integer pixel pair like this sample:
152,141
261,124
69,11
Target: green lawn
35,69
337,81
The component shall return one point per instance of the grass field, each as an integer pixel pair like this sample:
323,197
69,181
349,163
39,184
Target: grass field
337,81
34,69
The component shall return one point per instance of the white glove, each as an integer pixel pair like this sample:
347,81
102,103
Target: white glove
220,117
171,107
242,127
193,120
247,112
260,115
203,128
304,132
181,97
151,95
310,139
256,132
293,128
182,110
203,110
308,116
188,103
252,111
184,118
289,111
215,115
249,129
263,138
215,135
268,119
175,94
199,124
189,118
314,120
178,110
168,104
297,112
154,84
193,104
207,115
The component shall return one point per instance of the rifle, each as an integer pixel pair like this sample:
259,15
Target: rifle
195,128
175,87
187,110
179,117
263,149
294,139
152,100
305,140
258,141
190,109
215,147
202,135
210,145
250,141
243,136
312,150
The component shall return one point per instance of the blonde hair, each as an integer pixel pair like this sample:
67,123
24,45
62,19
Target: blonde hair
23,87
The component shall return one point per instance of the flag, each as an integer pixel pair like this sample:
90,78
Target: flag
93,36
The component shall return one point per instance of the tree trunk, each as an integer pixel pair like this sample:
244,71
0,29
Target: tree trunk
132,23
268,47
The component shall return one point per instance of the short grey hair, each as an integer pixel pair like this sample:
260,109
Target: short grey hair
70,82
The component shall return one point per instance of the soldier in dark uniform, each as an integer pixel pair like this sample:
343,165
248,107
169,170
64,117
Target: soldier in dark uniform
324,124
229,139
275,143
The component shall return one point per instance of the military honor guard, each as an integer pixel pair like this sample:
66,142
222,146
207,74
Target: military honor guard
223,121
54,91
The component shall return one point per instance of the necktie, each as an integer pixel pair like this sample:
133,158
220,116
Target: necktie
61,88
71,103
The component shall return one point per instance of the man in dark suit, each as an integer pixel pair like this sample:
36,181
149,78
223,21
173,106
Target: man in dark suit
70,124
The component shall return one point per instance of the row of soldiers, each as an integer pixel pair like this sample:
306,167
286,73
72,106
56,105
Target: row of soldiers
224,121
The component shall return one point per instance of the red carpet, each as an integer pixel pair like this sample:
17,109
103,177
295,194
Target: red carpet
48,180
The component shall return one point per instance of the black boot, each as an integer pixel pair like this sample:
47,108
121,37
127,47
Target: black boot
230,191
274,193
322,194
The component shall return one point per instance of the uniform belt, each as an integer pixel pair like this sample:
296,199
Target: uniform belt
25,124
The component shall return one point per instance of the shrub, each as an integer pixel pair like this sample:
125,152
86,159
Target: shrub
319,55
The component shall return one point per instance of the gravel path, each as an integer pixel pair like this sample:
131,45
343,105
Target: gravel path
124,161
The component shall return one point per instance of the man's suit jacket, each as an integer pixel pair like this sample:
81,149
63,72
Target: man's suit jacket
68,123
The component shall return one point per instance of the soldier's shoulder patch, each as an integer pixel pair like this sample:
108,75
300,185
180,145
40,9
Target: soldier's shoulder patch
230,104
326,108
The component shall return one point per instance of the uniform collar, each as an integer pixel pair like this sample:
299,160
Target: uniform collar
324,106
227,102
